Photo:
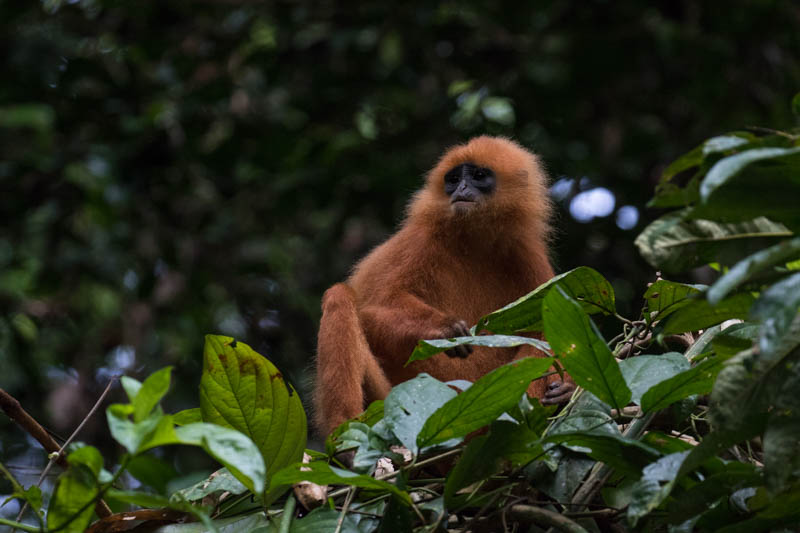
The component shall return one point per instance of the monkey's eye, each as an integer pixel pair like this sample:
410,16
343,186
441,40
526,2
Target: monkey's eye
452,179
480,174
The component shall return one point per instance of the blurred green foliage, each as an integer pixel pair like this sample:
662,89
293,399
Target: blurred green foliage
170,169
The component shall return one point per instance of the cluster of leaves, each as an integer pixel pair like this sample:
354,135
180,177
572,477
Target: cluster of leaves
654,440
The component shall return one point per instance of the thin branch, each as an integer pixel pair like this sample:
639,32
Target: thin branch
539,515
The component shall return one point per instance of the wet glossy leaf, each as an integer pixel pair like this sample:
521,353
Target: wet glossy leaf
745,269
428,348
411,403
697,380
644,371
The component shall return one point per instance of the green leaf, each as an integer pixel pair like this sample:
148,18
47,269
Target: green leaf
187,416
584,284
700,313
232,448
664,297
697,380
490,396
323,474
428,348
131,387
723,143
498,110
777,308
655,485
729,166
39,117
757,182
409,405
705,494
673,243
644,371
74,491
735,339
136,437
149,395
242,390
88,456
370,417
580,348
744,270
220,481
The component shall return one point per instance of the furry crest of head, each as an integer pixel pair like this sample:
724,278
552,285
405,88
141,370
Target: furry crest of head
521,191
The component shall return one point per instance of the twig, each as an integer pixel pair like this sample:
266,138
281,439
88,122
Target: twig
347,500
529,513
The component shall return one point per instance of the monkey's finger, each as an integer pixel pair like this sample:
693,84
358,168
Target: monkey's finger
459,351
461,328
558,392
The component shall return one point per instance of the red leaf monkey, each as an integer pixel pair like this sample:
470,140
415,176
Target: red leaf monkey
474,239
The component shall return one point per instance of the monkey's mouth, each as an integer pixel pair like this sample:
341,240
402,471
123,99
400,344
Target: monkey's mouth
462,205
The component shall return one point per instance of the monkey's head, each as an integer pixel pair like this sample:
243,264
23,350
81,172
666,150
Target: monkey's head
485,180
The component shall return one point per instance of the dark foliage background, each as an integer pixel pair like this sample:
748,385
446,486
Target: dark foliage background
170,169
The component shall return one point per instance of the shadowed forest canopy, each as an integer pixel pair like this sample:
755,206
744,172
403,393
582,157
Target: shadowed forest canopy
170,169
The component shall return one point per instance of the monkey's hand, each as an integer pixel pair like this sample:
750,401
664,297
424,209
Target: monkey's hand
558,392
458,328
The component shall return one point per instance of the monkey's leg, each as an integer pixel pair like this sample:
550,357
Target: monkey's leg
346,368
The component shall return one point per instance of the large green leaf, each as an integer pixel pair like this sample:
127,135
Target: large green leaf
745,269
428,348
757,182
727,168
583,284
409,405
697,380
242,390
644,371
490,396
673,243
700,313
235,450
581,349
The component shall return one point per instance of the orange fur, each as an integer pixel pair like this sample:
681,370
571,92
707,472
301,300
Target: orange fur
440,267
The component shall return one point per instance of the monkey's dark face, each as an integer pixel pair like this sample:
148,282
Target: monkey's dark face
467,185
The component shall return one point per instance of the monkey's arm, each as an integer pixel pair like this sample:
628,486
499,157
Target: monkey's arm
395,328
